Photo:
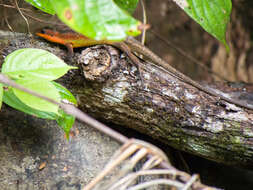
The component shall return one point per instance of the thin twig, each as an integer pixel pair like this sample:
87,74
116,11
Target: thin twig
189,57
190,182
139,155
13,7
144,20
186,167
152,162
32,17
157,182
111,165
6,20
43,21
27,23
70,109
132,176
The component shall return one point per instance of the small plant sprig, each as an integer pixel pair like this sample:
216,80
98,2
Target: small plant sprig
35,69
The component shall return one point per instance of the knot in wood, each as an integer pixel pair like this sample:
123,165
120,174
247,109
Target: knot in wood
95,63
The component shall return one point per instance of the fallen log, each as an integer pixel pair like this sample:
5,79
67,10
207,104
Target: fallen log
150,100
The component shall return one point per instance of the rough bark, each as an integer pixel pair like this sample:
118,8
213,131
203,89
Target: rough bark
108,86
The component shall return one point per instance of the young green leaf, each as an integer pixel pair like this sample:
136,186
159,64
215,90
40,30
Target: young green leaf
34,64
212,15
65,94
1,94
128,5
65,121
45,88
100,20
43,5
11,99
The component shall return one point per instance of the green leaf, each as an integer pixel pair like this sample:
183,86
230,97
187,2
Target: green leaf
10,99
128,5
212,15
1,94
44,88
66,95
34,64
43,5
65,121
99,20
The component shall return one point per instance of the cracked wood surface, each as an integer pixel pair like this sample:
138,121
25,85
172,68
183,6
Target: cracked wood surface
153,102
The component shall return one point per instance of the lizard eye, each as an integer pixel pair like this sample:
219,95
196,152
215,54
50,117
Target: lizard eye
46,30
43,31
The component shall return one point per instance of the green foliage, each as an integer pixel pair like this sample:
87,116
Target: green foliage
128,5
65,94
98,20
65,121
45,88
109,19
10,99
34,64
29,68
43,5
212,15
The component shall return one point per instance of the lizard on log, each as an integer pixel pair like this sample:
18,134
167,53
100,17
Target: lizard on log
74,40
